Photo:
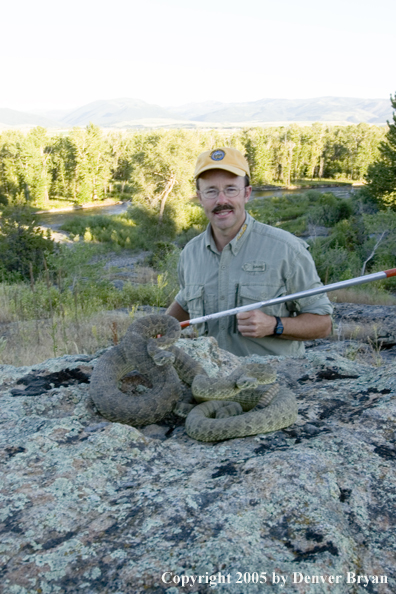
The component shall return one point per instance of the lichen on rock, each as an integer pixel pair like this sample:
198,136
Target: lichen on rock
96,507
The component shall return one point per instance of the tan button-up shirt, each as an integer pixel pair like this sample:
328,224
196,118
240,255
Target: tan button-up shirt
260,263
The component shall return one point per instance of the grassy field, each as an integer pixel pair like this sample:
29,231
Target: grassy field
79,308
363,296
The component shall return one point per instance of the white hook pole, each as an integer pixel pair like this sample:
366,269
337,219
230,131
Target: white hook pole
359,280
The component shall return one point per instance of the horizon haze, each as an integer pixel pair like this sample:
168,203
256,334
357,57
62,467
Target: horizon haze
124,113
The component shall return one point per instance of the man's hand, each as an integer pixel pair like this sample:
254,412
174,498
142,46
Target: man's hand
306,326
255,323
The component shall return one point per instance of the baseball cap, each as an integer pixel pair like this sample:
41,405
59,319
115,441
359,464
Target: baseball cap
228,159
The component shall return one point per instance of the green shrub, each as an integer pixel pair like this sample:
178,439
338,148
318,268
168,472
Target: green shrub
119,230
344,234
150,229
160,251
23,246
297,226
334,264
186,236
328,210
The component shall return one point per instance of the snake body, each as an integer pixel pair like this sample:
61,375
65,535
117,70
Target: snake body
139,350
234,406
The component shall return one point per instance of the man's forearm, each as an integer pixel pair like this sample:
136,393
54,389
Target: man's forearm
306,326
175,310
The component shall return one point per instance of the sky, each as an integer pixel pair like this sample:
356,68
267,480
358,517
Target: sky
64,55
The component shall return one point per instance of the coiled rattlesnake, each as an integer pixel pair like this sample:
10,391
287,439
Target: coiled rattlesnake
148,347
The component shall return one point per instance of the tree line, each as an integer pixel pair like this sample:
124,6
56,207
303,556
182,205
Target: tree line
309,152
156,167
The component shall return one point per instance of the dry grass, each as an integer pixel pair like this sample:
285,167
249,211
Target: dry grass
362,296
144,275
31,342
7,311
363,332
365,346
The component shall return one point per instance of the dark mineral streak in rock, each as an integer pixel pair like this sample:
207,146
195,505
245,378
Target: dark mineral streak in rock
36,385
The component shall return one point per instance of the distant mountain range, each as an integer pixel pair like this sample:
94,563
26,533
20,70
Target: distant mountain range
134,113
11,117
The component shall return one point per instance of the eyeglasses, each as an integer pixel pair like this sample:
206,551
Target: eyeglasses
213,193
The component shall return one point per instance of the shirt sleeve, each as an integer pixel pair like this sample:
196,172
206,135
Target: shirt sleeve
181,297
304,277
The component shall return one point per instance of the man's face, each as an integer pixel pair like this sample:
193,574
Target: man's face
225,214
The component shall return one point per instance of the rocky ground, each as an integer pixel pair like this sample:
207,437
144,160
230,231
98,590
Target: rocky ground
95,507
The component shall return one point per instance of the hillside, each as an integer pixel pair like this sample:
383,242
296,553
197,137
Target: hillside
135,113
320,109
131,112
115,112
12,117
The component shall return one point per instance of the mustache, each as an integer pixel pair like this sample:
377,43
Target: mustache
221,207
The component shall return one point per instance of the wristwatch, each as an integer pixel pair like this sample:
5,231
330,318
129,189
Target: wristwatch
278,330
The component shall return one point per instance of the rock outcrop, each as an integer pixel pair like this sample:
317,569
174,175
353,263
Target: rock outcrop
95,507
372,323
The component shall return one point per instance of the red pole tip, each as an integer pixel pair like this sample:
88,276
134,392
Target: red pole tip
391,272
185,324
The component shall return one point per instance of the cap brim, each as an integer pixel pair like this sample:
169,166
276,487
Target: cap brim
217,165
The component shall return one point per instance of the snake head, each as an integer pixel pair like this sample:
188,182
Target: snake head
158,355
163,357
244,382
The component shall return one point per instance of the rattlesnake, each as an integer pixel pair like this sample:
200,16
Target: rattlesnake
148,348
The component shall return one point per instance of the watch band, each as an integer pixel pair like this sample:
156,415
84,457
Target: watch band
278,330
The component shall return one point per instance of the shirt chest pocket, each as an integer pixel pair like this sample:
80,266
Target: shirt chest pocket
199,303
195,303
253,293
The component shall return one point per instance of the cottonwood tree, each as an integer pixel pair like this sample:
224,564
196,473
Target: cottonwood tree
162,174
62,169
25,167
35,164
259,149
121,149
10,186
90,163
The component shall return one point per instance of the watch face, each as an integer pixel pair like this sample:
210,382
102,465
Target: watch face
279,327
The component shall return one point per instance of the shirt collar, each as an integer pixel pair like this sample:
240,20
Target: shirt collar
236,243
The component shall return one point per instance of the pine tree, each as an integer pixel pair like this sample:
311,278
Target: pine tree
381,175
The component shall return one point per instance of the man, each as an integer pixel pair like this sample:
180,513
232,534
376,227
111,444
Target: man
238,261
